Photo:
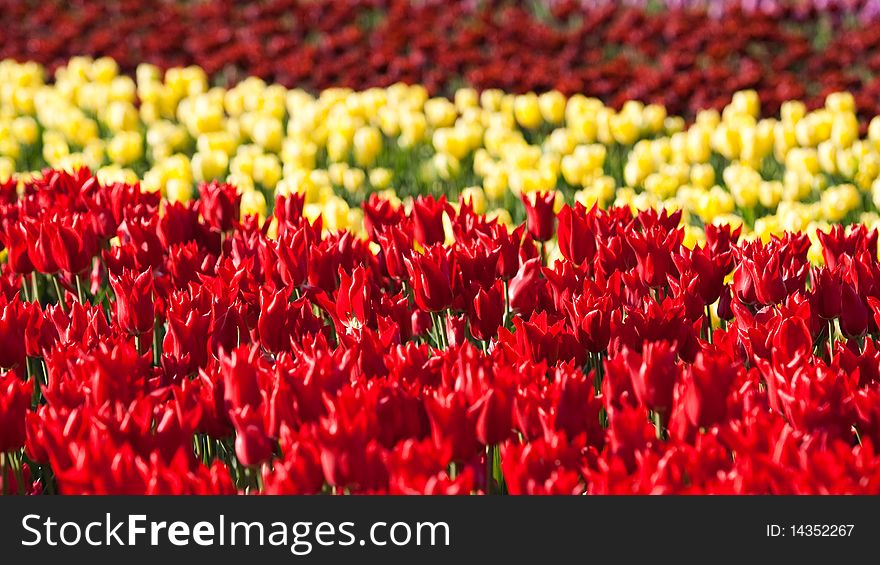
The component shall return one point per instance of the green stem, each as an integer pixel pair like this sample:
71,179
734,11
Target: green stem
3,473
19,474
60,294
35,291
25,290
709,323
80,294
490,470
506,306
658,423
157,344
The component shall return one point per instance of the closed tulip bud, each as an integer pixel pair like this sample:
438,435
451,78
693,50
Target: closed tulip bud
487,312
210,165
252,445
827,292
654,373
367,145
540,215
380,178
706,385
494,416
134,301
527,110
853,313
125,148
253,203
552,106
15,400
39,242
577,242
219,205
177,190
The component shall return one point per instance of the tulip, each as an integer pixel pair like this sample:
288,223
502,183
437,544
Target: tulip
577,242
252,446
73,246
396,246
488,312
541,218
134,301
494,416
431,278
524,289
219,205
353,302
39,242
654,373
15,239
240,380
827,292
707,385
427,215
15,400
853,313
14,321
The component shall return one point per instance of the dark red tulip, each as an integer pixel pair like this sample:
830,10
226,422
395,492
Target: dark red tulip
15,400
853,313
219,205
488,312
541,218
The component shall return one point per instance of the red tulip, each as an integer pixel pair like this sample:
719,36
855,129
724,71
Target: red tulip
494,416
431,278
427,215
488,312
853,313
396,245
707,385
134,301
577,242
353,302
219,205
540,214
15,400
15,238
654,374
39,240
252,446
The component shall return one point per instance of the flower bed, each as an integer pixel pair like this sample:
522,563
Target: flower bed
686,59
153,347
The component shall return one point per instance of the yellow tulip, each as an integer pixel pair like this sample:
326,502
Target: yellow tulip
527,110
125,148
367,145
380,178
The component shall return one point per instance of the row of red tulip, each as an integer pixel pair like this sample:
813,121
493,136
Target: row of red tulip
175,348
684,59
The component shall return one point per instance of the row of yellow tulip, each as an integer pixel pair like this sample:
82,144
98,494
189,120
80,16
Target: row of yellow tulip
800,171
